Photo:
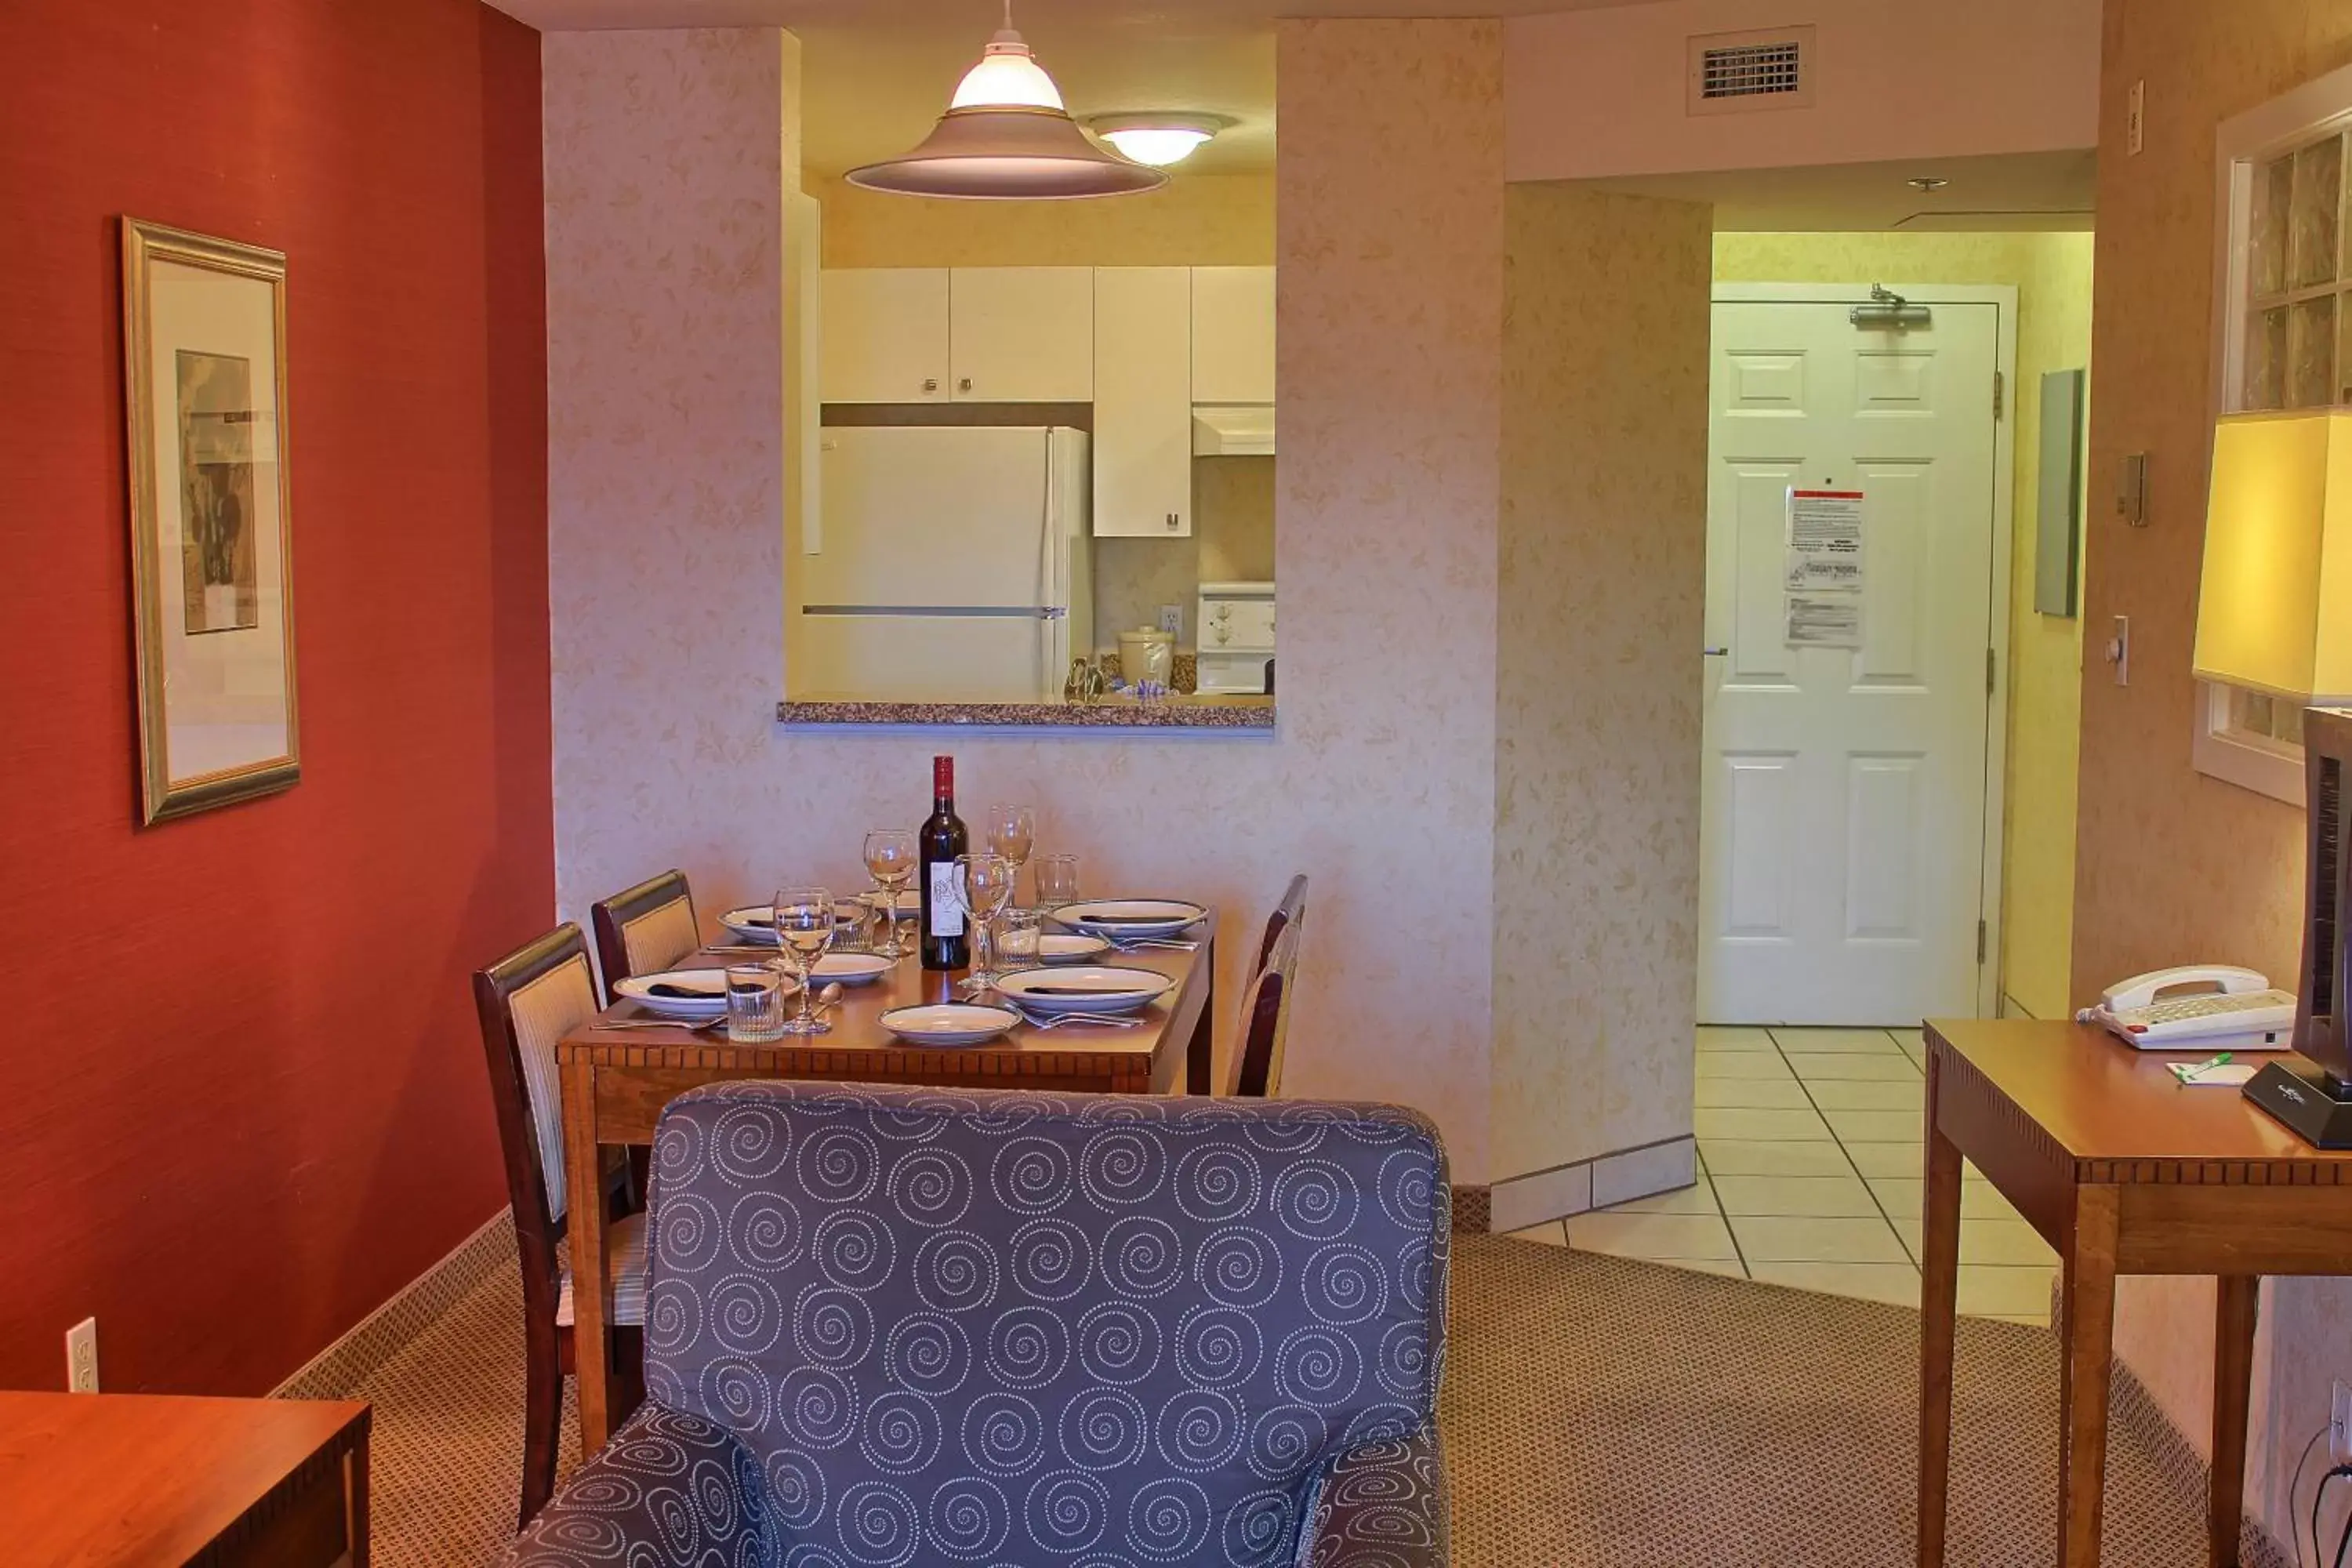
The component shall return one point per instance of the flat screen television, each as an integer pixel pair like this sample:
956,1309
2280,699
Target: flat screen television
2314,1095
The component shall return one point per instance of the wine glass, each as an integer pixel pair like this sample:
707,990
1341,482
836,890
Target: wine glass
890,857
1013,833
984,883
804,929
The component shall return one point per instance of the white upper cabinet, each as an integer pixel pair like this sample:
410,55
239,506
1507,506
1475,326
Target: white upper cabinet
1232,335
1022,335
1143,402
885,335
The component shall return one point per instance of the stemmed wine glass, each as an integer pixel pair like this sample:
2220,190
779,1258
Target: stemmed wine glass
890,857
983,884
804,931
1013,833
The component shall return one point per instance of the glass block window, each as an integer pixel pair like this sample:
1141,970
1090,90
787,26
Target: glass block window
2297,348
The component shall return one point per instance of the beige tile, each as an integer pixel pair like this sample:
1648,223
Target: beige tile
1832,1196
1733,1037
1548,1233
1907,1158
1793,1239
1991,1243
1730,1268
1876,1041
1697,1198
1868,1094
2015,1293
1718,1065
1897,1284
1750,1157
1905,1197
1782,1125
1913,1043
1815,1066
1657,1237
1751,1094
1876,1126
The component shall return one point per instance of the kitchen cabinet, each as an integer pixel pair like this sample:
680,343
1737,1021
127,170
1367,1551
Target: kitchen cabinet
1232,335
1022,335
886,334
1143,402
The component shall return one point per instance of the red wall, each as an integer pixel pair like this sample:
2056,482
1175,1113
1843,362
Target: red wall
241,1093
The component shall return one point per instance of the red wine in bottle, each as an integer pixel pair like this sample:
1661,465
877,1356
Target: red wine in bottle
946,945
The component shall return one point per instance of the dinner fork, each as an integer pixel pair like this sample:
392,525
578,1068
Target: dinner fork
688,1025
1056,1020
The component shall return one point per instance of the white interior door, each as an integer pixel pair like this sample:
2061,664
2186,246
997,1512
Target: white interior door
1843,807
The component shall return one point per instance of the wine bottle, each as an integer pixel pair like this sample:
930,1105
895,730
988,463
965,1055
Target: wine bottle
946,945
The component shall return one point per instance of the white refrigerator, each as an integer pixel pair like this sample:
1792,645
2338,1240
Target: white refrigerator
945,564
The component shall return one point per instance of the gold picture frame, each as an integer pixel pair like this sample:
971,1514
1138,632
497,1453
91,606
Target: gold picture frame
203,345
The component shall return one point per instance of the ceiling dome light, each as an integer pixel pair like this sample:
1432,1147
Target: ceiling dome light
1006,137
1158,139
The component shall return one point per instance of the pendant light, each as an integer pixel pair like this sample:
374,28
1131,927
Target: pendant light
1006,137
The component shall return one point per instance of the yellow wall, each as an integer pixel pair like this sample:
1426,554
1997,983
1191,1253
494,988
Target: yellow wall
1194,220
2052,274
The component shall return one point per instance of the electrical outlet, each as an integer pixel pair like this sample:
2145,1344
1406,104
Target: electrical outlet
81,1357
1171,619
2339,1424
2135,118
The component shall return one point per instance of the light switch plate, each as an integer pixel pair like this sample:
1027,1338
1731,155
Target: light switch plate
2135,118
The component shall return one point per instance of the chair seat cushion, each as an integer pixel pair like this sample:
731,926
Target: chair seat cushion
624,1244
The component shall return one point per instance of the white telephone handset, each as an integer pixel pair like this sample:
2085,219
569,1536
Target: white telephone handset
2242,1013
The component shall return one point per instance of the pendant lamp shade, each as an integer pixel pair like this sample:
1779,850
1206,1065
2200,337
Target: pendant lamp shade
1006,137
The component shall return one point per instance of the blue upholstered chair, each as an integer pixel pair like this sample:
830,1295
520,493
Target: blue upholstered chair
913,1328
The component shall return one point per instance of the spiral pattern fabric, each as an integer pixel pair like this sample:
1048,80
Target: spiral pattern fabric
928,1330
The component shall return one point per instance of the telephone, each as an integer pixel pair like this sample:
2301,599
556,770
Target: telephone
2243,1014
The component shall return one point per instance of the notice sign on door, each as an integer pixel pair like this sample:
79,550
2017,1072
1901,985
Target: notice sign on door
1822,580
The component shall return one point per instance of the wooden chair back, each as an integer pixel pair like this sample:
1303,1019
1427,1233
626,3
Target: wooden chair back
527,1001
1265,1018
1292,910
645,930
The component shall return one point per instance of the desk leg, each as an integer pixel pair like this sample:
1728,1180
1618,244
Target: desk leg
1201,1050
1938,1310
2233,1365
2089,1290
591,1353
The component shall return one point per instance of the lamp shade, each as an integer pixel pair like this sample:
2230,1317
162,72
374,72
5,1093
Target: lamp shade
2275,602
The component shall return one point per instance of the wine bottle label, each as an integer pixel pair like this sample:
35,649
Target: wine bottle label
947,914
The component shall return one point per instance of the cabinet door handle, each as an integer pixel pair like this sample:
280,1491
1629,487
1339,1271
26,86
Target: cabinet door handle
964,385
1171,519
930,385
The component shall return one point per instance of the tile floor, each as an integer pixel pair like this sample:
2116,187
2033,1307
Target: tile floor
1809,1175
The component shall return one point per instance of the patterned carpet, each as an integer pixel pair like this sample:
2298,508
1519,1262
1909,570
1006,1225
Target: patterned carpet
1599,1413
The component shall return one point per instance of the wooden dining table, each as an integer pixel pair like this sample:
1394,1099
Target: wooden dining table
616,1081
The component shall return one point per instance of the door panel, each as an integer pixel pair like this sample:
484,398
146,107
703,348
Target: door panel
885,334
1844,798
1023,334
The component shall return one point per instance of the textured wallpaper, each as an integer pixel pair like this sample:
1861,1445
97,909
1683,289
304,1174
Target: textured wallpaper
2175,866
1194,220
2051,275
667,400
1597,687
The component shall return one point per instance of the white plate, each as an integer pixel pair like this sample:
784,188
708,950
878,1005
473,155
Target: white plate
754,924
1061,947
638,988
949,1023
1105,990
910,902
852,968
1130,917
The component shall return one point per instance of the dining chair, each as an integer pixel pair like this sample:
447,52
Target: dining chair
1292,909
527,1001
1265,1018
645,930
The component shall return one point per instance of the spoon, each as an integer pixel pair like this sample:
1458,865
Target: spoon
828,996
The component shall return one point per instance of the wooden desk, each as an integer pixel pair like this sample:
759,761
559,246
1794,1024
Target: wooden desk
88,1480
615,1082
2123,1172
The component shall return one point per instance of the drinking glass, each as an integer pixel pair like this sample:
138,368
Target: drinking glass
853,925
890,857
1018,934
804,931
983,883
1057,881
755,1002
1013,833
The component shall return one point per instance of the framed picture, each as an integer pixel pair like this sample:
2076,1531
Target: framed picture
203,341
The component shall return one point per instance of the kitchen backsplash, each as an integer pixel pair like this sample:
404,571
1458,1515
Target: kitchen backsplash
1233,540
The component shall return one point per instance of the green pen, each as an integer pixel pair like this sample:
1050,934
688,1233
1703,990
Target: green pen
2190,1075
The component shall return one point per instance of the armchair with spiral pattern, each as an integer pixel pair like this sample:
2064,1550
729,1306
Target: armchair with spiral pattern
895,1327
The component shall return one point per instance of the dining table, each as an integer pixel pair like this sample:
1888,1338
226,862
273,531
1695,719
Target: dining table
616,1074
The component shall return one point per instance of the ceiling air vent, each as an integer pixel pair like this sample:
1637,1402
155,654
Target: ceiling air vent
1738,73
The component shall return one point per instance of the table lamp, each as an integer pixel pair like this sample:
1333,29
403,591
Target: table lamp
2274,614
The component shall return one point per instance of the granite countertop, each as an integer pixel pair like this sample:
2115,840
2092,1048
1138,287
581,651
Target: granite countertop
1180,712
